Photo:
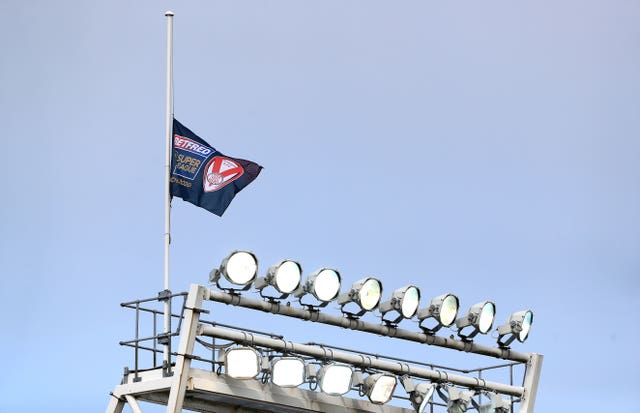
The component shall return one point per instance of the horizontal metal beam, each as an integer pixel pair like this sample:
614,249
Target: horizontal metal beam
355,324
358,360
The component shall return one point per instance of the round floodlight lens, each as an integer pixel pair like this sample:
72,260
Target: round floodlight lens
382,388
241,268
526,326
370,294
288,372
336,380
288,276
486,317
449,310
327,285
410,302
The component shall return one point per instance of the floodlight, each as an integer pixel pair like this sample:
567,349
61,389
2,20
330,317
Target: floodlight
457,400
518,326
404,301
499,405
379,387
335,379
443,309
288,371
241,362
366,293
420,395
479,319
284,277
239,268
324,285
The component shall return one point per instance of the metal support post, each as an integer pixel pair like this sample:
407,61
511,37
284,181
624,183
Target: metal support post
531,379
185,348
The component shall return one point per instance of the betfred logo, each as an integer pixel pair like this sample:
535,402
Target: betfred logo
220,172
180,142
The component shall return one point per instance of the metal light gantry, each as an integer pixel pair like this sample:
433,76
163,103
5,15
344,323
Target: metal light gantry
179,386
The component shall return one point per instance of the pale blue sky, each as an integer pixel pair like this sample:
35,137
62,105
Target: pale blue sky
490,149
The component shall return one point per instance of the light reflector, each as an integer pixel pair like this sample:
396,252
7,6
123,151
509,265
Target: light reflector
366,293
443,309
323,284
518,327
479,319
241,362
404,301
239,268
287,276
369,294
380,387
284,277
335,379
288,372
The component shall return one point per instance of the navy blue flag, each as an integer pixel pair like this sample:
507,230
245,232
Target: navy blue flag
202,175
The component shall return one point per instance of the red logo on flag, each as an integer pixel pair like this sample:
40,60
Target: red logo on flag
220,172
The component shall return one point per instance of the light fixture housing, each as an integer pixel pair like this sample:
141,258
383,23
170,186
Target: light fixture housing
379,387
335,379
288,371
323,285
238,268
404,301
479,319
499,405
419,395
284,277
241,362
457,400
443,309
517,327
366,293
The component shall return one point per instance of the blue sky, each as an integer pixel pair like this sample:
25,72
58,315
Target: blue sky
489,149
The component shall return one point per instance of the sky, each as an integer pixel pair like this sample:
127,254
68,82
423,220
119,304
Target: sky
490,149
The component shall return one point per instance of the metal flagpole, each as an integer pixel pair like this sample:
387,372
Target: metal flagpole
167,166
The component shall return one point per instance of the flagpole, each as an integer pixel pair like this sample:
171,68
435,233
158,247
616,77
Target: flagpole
167,166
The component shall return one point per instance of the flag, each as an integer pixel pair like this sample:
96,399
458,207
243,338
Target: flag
202,175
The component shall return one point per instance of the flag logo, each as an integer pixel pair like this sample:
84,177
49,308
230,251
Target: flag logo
203,175
220,172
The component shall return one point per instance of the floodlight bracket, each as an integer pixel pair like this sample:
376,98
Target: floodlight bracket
312,307
270,298
430,331
214,277
392,323
506,343
351,315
